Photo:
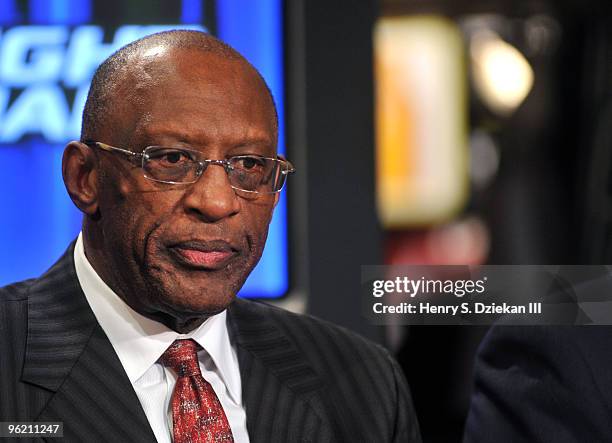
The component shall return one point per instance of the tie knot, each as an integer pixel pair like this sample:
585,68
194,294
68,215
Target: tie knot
182,357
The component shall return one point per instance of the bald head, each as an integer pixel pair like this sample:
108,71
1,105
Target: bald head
118,82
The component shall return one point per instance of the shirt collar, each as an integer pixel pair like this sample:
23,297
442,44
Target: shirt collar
140,341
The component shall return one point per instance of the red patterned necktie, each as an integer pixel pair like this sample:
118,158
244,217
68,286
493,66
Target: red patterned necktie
197,414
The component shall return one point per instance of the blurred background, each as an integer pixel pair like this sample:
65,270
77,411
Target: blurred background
424,132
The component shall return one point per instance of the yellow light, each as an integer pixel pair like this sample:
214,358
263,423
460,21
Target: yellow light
422,160
502,75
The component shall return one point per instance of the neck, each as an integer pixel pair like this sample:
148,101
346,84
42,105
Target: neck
180,325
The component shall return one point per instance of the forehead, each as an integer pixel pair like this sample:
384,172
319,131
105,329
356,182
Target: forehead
196,96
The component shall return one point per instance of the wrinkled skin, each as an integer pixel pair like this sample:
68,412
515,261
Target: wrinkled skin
141,236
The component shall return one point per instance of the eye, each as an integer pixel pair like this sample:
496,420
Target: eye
170,165
174,157
248,163
169,157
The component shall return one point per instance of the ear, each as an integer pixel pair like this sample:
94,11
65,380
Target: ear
79,170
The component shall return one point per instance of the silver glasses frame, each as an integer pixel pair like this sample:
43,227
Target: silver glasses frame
203,164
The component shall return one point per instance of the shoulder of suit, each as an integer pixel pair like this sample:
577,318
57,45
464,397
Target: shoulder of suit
16,291
305,329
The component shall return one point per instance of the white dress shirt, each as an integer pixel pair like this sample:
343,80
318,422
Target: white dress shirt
139,342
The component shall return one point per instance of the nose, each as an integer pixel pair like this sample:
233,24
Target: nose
212,198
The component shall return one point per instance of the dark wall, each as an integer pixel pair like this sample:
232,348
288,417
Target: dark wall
331,133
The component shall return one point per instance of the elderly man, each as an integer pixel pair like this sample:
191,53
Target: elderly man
135,333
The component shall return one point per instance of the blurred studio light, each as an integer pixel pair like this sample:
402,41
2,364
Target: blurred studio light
422,157
502,75
484,159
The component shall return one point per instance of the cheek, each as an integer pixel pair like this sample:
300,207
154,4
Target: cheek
257,216
131,218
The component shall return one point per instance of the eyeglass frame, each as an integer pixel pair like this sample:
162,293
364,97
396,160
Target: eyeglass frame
203,164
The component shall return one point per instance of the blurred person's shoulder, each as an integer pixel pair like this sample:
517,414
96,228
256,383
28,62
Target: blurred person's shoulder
592,344
542,383
580,354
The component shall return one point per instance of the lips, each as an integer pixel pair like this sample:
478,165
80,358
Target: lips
206,255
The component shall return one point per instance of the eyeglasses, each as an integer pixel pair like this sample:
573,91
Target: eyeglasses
248,173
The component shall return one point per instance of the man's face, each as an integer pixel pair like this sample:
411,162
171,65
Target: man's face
183,250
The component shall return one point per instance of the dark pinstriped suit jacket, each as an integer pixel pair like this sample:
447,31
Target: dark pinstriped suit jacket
303,379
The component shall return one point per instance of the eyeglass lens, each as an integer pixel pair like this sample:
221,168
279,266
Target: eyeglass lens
247,173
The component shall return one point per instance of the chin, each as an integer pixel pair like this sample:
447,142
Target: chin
180,291
204,304
194,300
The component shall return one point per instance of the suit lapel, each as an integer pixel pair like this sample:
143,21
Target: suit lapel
281,391
68,353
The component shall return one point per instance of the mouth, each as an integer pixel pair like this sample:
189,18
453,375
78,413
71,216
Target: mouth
204,255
